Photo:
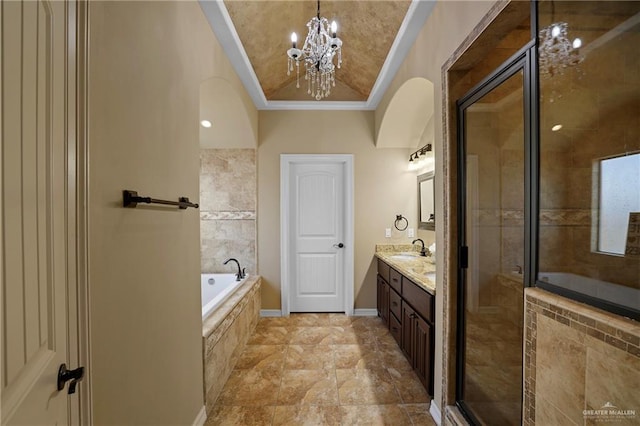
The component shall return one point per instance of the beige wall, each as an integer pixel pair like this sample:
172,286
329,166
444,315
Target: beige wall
445,29
147,60
383,188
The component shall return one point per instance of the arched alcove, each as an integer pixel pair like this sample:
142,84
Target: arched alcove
221,105
407,117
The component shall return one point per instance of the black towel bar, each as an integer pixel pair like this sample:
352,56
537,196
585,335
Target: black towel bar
131,199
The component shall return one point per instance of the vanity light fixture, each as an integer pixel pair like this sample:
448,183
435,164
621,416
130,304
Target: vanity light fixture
205,123
418,159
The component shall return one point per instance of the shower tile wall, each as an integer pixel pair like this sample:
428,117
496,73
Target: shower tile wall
598,105
578,359
227,208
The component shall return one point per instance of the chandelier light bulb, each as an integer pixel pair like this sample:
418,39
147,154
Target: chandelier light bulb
316,56
556,52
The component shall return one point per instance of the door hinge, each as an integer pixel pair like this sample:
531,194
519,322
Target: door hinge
464,257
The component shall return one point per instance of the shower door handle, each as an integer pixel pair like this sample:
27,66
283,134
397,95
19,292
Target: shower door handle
339,245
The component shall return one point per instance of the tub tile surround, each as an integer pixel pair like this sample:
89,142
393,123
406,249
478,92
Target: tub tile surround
350,372
227,208
578,358
225,333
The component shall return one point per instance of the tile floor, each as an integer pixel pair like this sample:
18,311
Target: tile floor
322,369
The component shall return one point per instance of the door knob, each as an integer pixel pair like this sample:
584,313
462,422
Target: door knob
65,375
339,245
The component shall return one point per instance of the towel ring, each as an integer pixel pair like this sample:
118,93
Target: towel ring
399,219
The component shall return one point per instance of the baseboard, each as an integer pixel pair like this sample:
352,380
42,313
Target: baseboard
201,418
365,312
356,312
435,413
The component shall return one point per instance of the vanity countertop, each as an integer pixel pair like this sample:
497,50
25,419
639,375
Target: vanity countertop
410,264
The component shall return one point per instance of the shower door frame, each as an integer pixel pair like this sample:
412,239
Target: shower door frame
524,60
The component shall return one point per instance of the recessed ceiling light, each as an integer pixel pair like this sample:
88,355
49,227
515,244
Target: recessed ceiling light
556,127
205,123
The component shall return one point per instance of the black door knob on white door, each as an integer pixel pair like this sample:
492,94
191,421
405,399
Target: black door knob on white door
65,375
339,245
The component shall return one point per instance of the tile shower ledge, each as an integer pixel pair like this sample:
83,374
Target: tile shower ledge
413,266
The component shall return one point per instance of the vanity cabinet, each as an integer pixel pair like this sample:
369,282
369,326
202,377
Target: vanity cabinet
408,311
417,338
383,300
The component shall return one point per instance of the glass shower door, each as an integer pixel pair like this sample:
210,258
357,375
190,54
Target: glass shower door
492,228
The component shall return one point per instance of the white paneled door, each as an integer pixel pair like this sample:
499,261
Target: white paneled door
318,255
38,201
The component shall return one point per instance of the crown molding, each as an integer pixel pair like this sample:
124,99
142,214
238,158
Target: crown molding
216,13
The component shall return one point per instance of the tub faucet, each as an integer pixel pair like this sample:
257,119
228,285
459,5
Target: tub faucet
239,275
423,251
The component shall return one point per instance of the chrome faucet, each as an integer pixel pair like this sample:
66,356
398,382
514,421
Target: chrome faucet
240,274
423,251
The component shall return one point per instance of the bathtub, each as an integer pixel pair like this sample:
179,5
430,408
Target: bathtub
215,289
614,293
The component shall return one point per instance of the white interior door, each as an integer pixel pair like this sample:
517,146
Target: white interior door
319,252
38,203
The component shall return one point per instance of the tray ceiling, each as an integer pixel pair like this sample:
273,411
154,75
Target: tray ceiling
376,36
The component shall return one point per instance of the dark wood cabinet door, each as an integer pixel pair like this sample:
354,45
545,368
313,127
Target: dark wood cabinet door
408,334
383,300
423,353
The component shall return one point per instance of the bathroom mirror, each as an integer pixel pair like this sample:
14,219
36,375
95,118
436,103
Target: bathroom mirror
426,202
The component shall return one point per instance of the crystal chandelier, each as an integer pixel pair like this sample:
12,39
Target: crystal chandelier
317,53
556,52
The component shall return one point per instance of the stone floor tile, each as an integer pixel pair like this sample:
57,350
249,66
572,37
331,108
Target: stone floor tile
250,388
374,415
419,414
366,386
309,357
308,387
240,416
271,336
307,415
312,336
262,357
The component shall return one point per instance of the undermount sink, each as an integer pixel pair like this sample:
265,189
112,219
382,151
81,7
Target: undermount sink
402,256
